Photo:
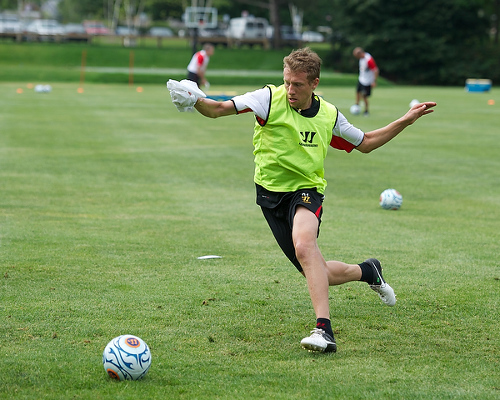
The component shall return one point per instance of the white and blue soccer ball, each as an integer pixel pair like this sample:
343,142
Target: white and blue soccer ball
126,357
391,199
43,88
355,109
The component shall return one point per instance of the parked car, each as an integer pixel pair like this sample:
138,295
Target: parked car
45,29
288,34
75,33
311,36
247,28
74,28
215,36
126,31
160,31
211,32
96,28
9,23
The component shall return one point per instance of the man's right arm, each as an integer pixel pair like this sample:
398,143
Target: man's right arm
256,101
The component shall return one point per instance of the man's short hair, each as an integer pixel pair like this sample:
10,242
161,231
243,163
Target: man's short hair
304,60
358,51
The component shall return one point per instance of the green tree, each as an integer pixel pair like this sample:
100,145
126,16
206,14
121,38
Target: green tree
439,42
13,5
10,5
161,10
76,11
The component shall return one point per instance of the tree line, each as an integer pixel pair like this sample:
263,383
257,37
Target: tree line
440,42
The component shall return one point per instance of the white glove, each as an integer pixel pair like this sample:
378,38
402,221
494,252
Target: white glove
183,100
184,94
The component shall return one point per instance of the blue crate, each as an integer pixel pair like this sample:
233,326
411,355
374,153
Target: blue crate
478,85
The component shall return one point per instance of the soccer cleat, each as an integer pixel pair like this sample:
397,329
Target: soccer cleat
319,341
383,289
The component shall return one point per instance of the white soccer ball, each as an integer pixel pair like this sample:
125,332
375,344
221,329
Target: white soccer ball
414,102
355,109
43,88
126,357
391,199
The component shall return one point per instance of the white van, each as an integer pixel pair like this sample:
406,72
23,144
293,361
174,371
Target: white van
247,28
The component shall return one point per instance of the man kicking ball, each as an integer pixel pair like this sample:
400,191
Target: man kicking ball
293,130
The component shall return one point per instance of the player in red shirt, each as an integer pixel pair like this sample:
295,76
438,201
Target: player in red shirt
368,74
198,65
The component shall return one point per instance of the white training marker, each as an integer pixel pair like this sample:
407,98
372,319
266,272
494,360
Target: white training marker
208,257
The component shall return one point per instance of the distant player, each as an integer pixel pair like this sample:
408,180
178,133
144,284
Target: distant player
368,74
198,65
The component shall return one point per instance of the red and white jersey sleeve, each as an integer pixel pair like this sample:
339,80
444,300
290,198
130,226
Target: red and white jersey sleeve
258,102
198,62
371,63
345,135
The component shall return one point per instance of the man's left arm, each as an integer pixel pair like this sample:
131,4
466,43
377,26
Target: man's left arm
200,71
375,73
372,65
377,138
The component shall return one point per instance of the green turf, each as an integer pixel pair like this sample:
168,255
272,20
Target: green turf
108,197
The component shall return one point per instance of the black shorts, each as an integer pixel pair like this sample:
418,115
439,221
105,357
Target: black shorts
279,210
193,77
364,90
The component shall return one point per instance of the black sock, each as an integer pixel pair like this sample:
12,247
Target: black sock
325,324
366,273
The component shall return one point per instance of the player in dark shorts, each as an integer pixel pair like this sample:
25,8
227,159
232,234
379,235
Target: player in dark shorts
279,210
365,91
293,131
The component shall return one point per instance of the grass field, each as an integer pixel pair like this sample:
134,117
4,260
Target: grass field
109,196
